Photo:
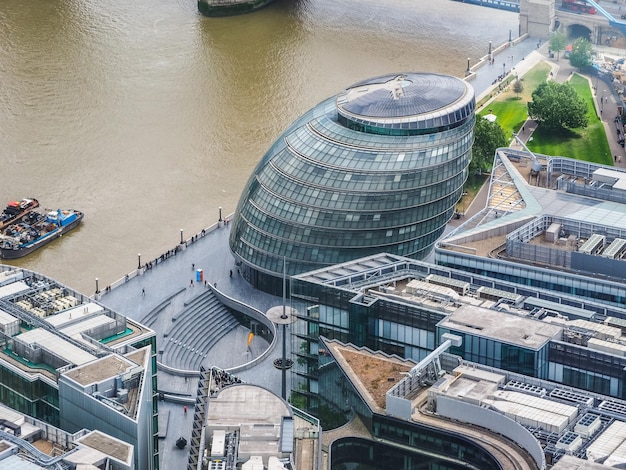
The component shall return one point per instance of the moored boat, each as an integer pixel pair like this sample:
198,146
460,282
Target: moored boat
36,229
15,210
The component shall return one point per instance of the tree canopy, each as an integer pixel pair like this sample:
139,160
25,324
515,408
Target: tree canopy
488,136
581,55
558,106
558,41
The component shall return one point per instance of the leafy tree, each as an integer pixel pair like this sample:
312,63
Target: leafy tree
558,106
518,87
558,41
488,136
581,55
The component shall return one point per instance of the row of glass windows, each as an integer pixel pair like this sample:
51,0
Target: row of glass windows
393,157
287,166
333,316
582,358
327,127
493,353
320,257
297,200
429,439
321,247
36,408
586,380
446,121
403,129
307,226
407,335
591,288
33,390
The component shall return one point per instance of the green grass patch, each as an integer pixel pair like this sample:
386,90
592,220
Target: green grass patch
588,144
512,108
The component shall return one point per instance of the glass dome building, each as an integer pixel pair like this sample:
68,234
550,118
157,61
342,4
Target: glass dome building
377,168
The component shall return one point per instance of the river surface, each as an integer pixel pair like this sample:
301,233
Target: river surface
148,116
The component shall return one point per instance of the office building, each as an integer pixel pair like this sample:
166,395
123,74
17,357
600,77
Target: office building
70,362
377,168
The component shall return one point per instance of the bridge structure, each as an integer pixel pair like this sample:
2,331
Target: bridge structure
540,18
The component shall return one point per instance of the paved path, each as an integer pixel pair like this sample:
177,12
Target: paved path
170,281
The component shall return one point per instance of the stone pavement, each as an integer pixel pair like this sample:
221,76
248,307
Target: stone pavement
169,281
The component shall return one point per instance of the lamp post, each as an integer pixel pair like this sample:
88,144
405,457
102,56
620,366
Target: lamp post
467,71
181,236
138,260
510,39
97,288
503,69
220,219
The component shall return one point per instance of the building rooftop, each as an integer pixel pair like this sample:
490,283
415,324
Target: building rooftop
39,444
408,96
263,422
502,326
101,369
565,421
528,194
108,445
371,374
49,326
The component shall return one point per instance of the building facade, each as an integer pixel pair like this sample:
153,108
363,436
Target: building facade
403,307
68,361
379,167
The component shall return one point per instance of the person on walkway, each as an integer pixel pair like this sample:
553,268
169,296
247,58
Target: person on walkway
193,266
230,273
185,409
143,292
191,283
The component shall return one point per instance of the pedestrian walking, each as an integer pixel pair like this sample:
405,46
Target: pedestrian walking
191,283
230,273
614,158
143,292
185,409
193,266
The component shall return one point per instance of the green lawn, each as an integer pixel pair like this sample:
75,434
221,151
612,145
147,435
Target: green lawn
510,108
588,144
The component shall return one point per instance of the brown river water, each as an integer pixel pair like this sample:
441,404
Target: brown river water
148,116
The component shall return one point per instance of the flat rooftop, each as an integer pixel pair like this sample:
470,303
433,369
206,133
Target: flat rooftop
109,445
517,196
501,326
101,369
371,374
258,415
65,325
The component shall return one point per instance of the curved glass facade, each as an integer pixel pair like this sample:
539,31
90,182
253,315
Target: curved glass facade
378,167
